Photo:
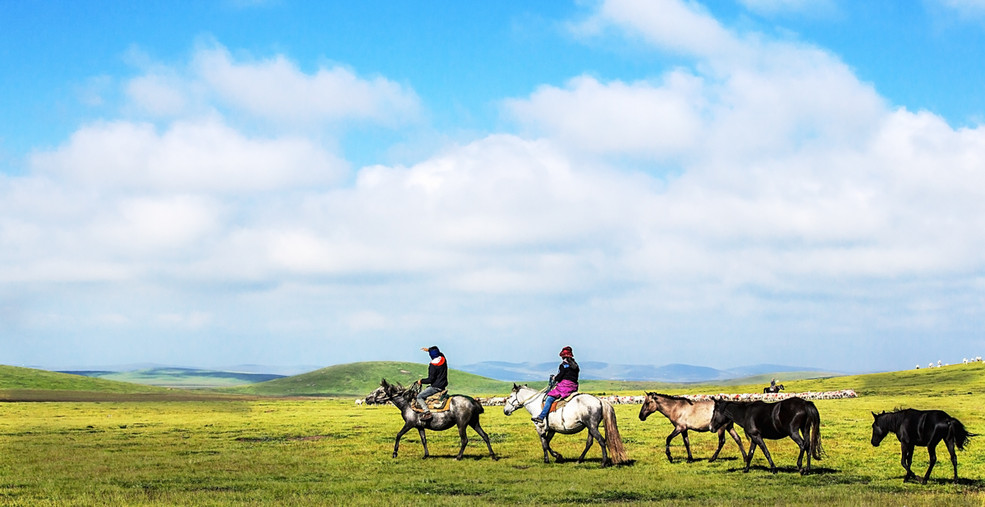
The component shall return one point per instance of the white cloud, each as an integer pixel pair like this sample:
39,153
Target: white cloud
642,119
680,26
772,7
278,90
201,155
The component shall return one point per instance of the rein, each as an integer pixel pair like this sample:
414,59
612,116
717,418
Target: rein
530,398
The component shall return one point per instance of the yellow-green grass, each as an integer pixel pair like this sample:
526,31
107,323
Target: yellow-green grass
331,452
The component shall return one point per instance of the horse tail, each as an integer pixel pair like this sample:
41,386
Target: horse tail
815,429
958,433
613,442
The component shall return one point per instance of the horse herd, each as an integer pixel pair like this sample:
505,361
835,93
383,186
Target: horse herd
792,417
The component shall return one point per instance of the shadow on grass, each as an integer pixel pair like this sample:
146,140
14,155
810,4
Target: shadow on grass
973,483
815,470
477,457
678,461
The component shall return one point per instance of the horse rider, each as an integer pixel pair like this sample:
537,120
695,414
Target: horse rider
565,382
773,383
437,378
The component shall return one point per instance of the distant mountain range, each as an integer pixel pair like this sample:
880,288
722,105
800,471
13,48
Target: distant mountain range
595,370
155,374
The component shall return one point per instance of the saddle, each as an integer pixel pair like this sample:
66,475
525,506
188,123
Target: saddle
437,402
560,402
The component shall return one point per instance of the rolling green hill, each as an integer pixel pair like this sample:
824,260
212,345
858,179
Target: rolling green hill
360,379
17,378
29,384
184,377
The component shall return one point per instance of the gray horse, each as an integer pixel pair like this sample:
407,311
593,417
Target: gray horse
582,411
462,411
685,415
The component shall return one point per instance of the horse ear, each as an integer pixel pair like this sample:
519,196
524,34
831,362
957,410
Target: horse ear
515,386
874,415
383,383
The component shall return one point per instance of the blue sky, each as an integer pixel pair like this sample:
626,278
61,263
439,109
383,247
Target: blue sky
284,183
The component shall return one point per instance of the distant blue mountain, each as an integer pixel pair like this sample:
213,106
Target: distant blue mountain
595,370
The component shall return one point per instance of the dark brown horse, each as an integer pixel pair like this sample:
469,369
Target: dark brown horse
462,411
925,428
773,389
686,415
793,417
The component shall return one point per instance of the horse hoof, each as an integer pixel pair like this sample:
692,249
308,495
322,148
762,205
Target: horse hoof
394,455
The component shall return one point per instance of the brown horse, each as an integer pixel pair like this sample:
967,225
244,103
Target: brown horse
685,415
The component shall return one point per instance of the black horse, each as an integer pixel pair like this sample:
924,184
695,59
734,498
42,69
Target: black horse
793,417
923,428
462,411
773,389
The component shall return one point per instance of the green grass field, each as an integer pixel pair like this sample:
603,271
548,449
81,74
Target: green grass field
231,450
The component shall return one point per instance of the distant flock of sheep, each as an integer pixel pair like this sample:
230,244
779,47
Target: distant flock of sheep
378,398
976,359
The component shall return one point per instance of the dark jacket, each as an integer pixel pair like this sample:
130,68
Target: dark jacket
437,373
568,370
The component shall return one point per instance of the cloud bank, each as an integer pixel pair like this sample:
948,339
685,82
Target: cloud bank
761,198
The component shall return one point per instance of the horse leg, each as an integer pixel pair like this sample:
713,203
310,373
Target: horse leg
465,440
396,444
906,459
932,450
721,443
767,453
424,442
687,445
954,457
593,429
545,442
588,445
752,448
804,445
670,437
485,438
738,441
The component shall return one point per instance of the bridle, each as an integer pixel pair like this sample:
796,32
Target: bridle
524,403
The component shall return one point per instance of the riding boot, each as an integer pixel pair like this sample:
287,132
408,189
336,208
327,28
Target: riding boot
548,400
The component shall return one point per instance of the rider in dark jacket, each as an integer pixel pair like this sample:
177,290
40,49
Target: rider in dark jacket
437,378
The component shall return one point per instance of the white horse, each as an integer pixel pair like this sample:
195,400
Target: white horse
582,411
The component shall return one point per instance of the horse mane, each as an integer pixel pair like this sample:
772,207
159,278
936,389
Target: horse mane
675,398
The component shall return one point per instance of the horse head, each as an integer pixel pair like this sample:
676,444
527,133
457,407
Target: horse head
720,416
650,405
878,432
394,391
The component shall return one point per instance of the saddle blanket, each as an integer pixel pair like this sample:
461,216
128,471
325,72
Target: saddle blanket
436,402
562,401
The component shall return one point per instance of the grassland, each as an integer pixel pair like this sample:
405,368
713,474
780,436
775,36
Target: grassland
328,452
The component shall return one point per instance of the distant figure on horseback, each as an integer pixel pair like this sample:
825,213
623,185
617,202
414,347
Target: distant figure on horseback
564,383
437,379
773,388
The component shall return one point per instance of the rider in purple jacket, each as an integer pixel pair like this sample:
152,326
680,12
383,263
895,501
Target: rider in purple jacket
566,382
